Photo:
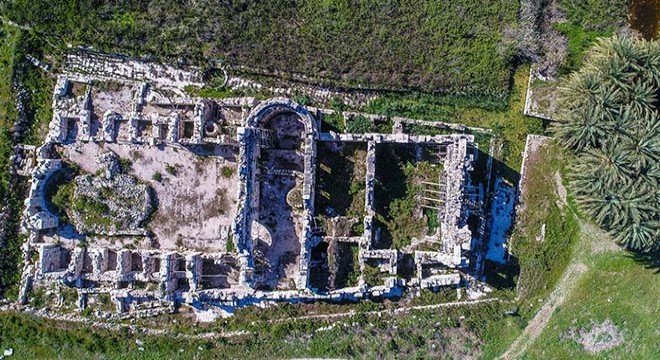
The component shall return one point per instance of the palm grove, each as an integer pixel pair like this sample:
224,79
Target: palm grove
610,121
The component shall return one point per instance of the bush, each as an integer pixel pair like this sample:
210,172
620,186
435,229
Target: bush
171,169
227,172
359,125
63,197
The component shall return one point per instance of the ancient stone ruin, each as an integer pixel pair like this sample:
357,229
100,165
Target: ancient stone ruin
263,248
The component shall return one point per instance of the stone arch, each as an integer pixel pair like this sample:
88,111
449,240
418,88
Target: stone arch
267,109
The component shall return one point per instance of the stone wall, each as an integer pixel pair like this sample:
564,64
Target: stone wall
83,66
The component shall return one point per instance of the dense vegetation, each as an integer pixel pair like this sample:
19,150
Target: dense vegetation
9,246
430,46
418,334
585,22
20,83
399,177
611,120
340,179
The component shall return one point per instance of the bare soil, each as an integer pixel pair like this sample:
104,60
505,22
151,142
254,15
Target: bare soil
196,198
600,337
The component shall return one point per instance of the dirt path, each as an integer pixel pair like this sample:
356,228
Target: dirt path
536,326
592,240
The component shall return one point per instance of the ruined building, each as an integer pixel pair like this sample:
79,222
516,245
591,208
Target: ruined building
120,102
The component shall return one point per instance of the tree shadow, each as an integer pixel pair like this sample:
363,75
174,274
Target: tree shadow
502,276
650,260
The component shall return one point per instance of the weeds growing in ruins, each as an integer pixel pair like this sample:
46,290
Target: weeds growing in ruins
399,179
333,122
359,124
227,172
340,180
504,116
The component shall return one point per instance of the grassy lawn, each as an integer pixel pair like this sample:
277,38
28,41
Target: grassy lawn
615,288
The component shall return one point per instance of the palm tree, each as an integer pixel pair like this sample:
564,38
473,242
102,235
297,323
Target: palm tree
609,163
601,206
611,120
584,129
641,236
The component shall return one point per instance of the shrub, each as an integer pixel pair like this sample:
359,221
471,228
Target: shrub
227,172
125,165
359,125
171,169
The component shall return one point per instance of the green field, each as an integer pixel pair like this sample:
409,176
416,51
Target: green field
9,250
451,46
614,288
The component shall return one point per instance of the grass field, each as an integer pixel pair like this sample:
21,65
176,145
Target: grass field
428,45
424,333
8,41
10,247
586,21
615,288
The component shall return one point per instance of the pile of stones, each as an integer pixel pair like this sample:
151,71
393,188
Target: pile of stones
123,202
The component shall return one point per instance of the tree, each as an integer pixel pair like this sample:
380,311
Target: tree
610,119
